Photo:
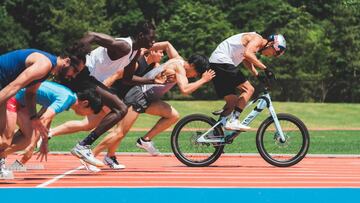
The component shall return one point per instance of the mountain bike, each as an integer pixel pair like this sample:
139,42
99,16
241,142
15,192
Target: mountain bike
282,139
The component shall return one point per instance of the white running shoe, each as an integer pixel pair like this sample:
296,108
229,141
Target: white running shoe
2,163
148,146
235,124
85,153
113,163
4,173
89,167
17,166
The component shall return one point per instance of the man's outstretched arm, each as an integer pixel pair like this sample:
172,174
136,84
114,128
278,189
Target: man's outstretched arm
116,48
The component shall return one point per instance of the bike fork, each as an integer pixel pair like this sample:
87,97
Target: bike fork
265,101
277,123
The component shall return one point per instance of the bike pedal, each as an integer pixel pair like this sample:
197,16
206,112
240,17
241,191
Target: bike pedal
230,137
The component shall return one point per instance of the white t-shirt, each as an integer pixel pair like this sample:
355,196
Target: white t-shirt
230,51
101,66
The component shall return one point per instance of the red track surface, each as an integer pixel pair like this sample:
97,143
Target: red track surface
167,171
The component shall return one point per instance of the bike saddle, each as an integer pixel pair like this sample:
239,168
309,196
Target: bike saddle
218,112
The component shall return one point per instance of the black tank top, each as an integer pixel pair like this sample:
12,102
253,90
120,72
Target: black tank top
120,88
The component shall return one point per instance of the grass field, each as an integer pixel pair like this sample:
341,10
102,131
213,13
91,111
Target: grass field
334,128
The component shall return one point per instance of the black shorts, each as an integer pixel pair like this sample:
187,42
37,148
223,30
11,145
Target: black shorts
227,78
120,89
136,98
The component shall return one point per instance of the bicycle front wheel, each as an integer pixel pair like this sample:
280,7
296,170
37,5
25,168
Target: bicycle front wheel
283,153
185,145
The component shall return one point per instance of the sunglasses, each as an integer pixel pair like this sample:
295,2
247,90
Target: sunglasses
278,52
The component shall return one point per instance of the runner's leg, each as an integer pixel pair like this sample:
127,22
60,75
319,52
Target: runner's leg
168,114
8,120
113,140
117,113
87,124
21,138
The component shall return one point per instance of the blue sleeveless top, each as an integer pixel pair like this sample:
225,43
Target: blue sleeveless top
12,64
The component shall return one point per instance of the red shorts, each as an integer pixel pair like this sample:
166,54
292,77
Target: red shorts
12,105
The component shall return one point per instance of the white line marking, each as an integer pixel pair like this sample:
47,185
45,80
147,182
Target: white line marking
59,177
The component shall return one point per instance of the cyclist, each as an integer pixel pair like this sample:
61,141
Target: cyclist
240,48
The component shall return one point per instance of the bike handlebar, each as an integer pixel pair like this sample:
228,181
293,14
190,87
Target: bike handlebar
267,78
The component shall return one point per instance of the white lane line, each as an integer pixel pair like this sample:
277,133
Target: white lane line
59,177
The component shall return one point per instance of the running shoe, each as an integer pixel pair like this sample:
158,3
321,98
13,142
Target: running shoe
17,166
85,153
89,167
2,163
148,146
235,124
4,173
113,163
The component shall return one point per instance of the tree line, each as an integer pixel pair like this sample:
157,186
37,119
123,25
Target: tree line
321,63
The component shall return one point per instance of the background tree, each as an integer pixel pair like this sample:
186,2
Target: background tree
10,28
196,28
321,63
55,24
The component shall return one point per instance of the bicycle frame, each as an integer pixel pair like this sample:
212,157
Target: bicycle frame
264,101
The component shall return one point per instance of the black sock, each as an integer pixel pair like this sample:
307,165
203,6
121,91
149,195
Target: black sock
143,139
89,139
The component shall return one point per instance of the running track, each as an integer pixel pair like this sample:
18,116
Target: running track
64,170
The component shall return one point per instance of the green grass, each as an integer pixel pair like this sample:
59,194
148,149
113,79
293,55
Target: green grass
314,115
321,142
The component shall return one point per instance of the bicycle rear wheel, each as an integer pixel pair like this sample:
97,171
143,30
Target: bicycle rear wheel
277,152
185,145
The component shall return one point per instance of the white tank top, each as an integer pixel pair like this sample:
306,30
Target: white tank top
101,66
156,91
230,51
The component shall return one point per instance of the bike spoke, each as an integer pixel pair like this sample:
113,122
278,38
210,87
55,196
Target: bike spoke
290,151
190,150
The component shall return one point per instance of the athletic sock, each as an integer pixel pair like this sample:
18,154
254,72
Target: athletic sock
143,139
89,140
236,113
223,119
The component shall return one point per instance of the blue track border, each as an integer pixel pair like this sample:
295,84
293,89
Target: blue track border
181,195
